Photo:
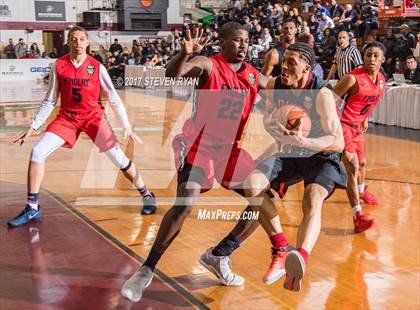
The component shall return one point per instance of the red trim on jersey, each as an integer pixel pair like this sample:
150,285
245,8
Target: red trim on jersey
309,81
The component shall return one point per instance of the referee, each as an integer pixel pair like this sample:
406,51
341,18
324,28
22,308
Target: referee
346,58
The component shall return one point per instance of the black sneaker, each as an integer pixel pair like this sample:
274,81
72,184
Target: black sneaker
149,204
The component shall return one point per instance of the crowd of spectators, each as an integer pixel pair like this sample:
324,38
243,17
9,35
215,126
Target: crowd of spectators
317,25
20,50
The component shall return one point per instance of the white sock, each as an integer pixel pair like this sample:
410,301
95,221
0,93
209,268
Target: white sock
356,208
33,205
361,187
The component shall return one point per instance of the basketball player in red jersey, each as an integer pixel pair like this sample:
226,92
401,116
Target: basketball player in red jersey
79,79
363,88
208,146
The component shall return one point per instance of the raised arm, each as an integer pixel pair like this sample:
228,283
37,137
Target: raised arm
179,66
271,59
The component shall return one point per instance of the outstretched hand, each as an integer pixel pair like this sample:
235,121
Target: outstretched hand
22,136
129,133
194,44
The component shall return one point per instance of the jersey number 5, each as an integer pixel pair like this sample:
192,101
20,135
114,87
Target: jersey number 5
77,96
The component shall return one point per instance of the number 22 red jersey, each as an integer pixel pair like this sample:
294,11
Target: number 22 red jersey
222,106
359,105
79,87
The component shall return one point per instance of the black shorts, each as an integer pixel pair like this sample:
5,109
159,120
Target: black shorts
322,168
192,174
196,174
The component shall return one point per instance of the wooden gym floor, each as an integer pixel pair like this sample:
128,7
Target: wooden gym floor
93,236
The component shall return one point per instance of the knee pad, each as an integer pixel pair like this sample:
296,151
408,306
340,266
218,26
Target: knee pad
117,156
48,143
37,156
128,166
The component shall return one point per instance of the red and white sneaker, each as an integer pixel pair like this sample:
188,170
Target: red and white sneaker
362,222
276,269
368,198
295,269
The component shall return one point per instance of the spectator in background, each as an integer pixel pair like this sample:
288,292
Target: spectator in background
220,19
256,31
255,47
44,55
300,23
389,41
325,22
316,31
110,63
135,48
277,15
336,10
34,50
54,53
319,9
28,55
9,50
148,50
266,40
132,59
98,57
246,21
307,37
176,42
65,50
236,6
327,49
405,45
274,57
286,9
416,51
20,49
125,51
350,17
338,25
412,74
115,47
118,59
369,21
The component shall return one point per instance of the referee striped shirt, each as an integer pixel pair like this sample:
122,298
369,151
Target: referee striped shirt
347,59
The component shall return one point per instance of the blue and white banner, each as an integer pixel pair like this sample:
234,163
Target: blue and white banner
24,69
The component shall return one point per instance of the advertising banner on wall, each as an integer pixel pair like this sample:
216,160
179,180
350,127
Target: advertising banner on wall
50,11
24,69
217,4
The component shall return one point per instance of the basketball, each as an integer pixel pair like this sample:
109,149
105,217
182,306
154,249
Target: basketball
290,116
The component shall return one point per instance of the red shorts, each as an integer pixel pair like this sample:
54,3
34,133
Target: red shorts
69,125
228,164
354,140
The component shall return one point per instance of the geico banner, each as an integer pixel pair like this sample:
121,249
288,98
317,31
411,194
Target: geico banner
24,69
